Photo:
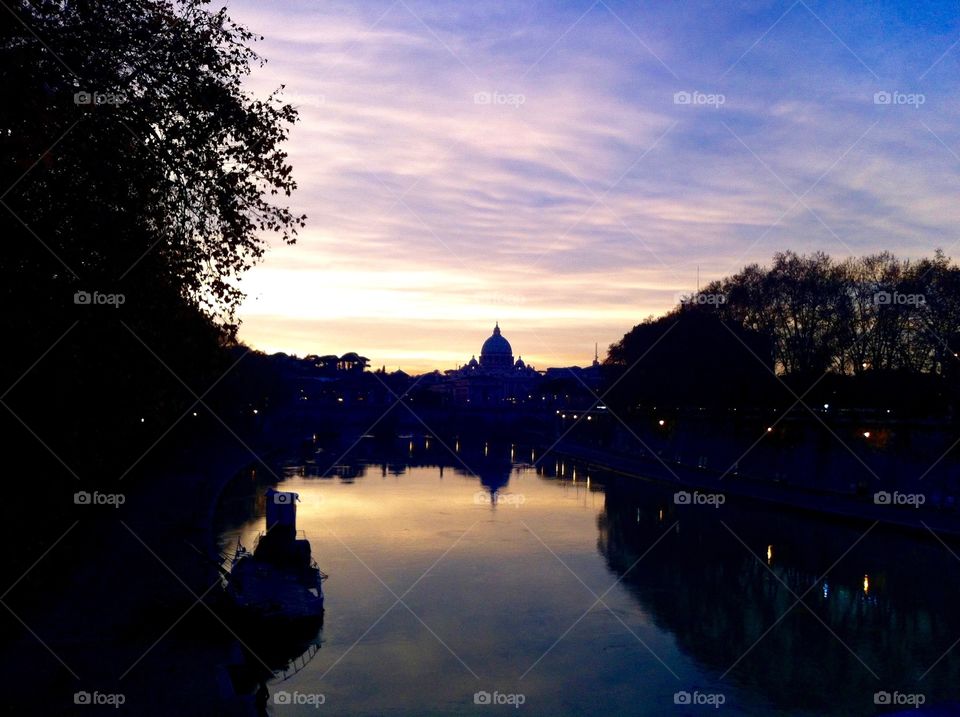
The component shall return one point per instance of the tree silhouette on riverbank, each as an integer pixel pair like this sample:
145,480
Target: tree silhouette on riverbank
875,331
139,181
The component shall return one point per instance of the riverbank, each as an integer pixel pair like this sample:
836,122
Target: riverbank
127,618
863,508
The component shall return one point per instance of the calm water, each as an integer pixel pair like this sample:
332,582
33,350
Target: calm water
501,595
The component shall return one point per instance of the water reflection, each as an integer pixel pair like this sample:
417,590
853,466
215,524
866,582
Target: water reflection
713,591
856,630
273,656
492,462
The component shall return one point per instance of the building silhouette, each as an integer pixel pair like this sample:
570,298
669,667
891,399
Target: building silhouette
496,379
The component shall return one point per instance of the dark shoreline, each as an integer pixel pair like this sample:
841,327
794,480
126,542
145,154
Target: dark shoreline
124,614
838,506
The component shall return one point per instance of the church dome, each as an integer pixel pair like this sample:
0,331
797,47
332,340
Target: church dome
496,345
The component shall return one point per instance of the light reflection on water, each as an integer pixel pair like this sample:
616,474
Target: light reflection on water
444,583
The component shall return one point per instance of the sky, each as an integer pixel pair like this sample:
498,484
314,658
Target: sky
567,168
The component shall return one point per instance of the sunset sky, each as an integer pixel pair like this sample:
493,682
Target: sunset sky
532,163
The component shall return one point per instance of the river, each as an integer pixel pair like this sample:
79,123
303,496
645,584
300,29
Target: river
477,577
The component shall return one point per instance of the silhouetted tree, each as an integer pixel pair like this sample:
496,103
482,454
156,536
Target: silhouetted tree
690,357
132,162
893,325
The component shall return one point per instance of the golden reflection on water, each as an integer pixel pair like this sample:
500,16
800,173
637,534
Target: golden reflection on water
419,511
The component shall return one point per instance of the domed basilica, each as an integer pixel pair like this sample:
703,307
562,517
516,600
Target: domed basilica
496,377
496,353
496,357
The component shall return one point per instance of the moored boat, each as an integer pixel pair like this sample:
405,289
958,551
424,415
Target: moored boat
278,582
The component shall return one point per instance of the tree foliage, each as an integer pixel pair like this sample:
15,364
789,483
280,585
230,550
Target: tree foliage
873,313
155,164
865,317
133,162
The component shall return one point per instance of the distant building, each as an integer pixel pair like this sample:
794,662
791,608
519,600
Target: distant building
495,379
341,380
353,363
496,354
590,377
331,365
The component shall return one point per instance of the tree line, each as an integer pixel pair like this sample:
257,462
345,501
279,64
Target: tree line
882,321
877,312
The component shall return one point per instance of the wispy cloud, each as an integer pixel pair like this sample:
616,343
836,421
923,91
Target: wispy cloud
462,163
